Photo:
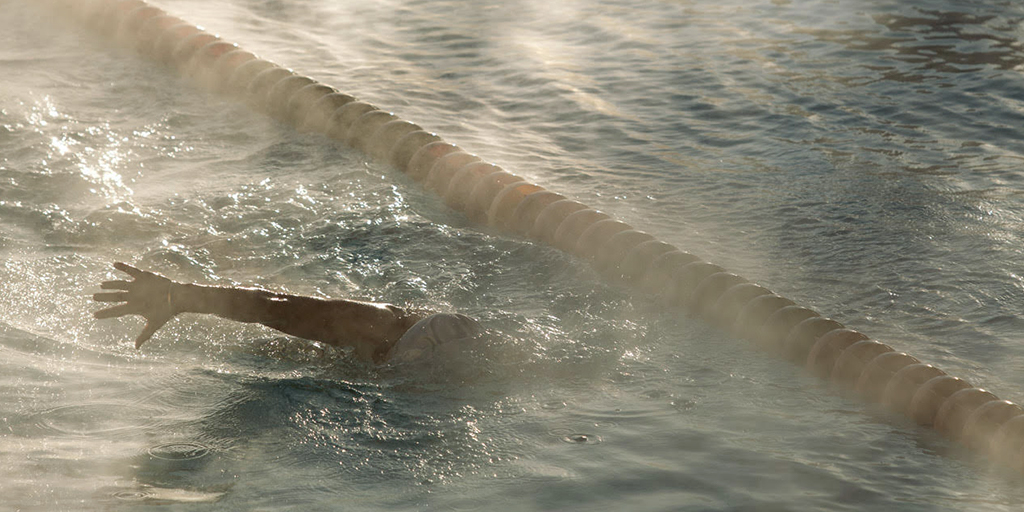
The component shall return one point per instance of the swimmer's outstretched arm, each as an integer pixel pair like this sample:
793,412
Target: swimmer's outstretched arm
369,328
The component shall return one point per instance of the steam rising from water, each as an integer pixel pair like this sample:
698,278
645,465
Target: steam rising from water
786,170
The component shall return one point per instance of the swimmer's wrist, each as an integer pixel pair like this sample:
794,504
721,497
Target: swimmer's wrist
179,296
197,298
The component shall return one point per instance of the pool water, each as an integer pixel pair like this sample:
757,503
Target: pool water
862,158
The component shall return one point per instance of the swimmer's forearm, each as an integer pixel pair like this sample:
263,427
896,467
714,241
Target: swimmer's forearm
240,304
363,325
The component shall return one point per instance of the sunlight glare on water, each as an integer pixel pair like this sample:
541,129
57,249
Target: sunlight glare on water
862,158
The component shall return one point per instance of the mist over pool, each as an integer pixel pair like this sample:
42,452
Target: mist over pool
863,159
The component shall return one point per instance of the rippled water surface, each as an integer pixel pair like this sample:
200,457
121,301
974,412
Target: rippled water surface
864,158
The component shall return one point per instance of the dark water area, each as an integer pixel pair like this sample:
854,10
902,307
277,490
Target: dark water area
862,158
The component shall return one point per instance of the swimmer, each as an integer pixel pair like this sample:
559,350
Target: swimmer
374,331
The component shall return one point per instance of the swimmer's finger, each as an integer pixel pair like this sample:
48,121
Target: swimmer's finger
115,285
116,311
110,297
130,270
148,331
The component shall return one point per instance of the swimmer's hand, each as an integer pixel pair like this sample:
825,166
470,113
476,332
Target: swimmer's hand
147,295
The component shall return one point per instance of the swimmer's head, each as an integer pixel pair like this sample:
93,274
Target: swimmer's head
436,338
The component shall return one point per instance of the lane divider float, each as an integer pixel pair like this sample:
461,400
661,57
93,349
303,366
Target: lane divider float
852,363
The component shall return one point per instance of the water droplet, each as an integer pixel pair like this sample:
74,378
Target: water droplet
136,495
179,451
582,439
683,405
552,405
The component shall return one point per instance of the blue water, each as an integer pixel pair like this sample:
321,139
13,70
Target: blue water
863,158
